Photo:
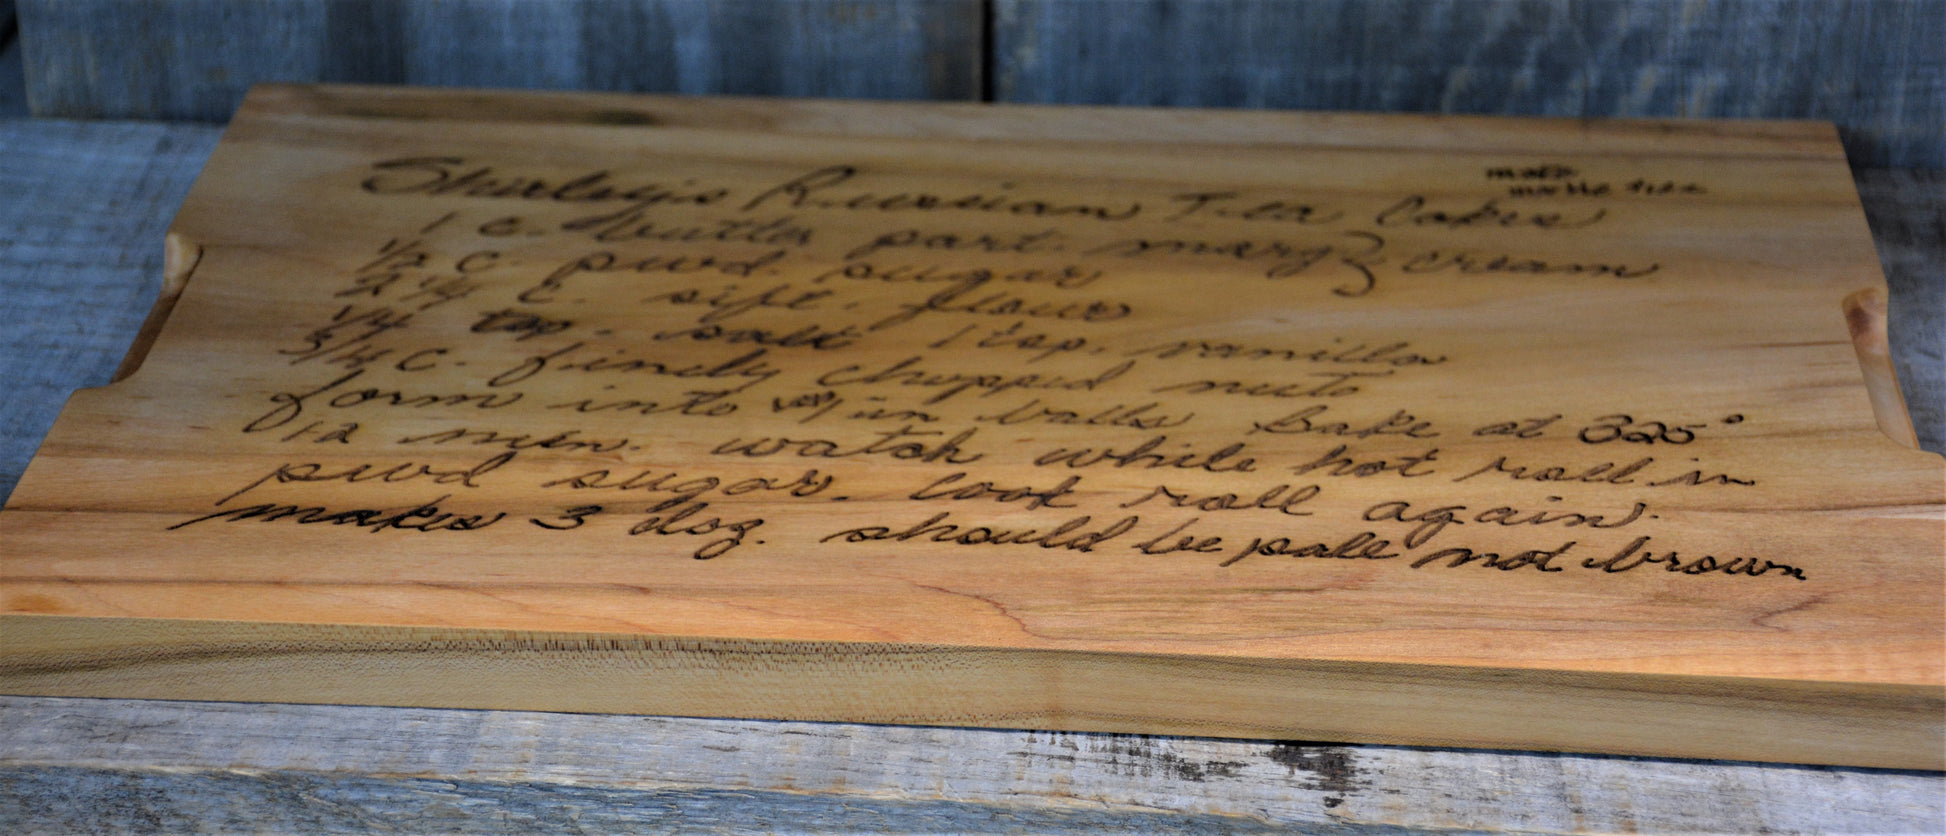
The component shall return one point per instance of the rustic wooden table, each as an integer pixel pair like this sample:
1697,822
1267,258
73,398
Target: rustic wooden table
81,228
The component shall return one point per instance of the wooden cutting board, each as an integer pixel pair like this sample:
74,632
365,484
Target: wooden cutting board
1529,434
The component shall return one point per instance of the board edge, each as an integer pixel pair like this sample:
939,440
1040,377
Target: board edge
1713,718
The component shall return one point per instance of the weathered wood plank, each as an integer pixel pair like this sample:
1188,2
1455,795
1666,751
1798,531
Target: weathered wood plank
193,59
1875,68
13,81
1766,139
1878,75
146,801
915,778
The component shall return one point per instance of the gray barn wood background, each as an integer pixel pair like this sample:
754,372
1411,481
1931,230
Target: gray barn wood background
1874,67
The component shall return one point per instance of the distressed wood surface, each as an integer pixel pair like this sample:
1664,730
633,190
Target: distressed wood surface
1245,129
1879,74
143,766
889,598
193,59
1875,68
494,770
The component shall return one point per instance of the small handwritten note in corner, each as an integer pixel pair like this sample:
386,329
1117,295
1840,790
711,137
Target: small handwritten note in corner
1342,402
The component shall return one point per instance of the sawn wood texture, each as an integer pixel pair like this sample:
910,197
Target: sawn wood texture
1463,432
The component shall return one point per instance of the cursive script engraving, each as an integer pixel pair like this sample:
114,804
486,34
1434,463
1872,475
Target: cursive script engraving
977,361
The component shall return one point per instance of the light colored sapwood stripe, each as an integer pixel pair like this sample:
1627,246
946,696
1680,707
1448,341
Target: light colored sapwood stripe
1875,68
1035,774
1907,211
193,59
81,226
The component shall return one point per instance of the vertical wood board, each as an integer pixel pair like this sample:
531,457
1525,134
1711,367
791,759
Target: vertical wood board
1333,427
193,59
1874,68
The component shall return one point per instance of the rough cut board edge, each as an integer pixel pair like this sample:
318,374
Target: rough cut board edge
1718,718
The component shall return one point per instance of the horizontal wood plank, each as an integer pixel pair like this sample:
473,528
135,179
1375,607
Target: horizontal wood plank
288,802
1874,68
910,778
1098,127
193,59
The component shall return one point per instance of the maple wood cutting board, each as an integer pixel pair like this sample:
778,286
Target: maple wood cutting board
1428,430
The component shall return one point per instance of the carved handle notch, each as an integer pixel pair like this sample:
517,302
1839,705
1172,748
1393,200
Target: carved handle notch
179,259
1865,316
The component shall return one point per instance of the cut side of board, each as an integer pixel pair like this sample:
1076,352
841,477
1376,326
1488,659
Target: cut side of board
1535,434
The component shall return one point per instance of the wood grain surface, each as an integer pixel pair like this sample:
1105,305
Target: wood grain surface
1815,609
327,769
1874,68
70,764
193,59
13,77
